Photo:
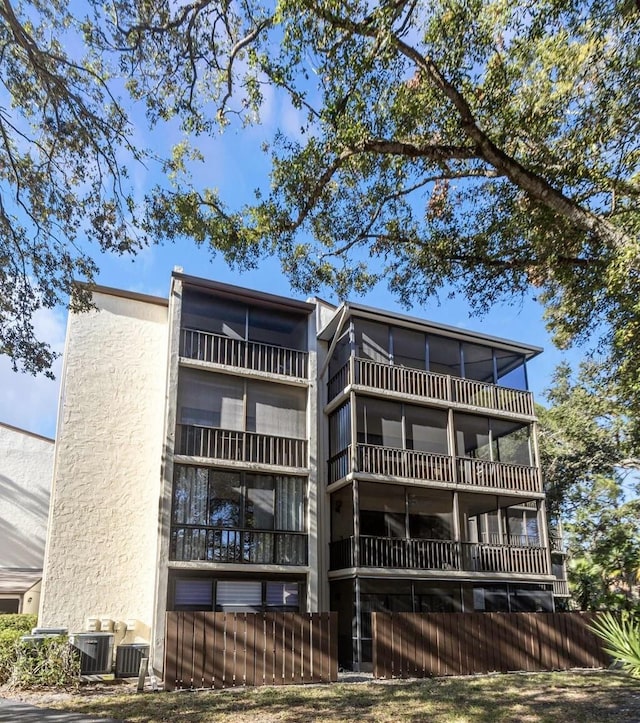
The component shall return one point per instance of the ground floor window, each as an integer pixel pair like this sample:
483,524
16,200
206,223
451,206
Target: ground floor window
235,595
510,598
9,605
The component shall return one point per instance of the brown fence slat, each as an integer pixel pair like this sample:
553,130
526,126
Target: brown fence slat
306,649
171,652
437,644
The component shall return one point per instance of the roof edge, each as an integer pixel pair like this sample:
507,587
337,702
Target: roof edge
13,428
243,292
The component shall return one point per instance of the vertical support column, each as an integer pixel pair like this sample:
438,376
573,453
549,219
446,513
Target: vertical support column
318,502
455,510
166,489
356,523
451,442
535,455
541,510
358,620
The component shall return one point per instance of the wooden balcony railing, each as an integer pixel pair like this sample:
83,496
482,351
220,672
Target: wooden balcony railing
259,547
558,544
404,463
239,446
417,554
561,588
218,349
497,475
429,385
410,464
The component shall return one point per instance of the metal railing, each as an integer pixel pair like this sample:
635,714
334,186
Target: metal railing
429,385
240,446
418,554
234,545
218,349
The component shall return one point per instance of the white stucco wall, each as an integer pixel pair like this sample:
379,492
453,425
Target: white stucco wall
101,548
26,464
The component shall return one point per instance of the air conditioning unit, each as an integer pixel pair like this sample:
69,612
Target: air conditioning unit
96,652
128,657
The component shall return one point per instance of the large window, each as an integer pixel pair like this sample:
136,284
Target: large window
233,403
239,321
230,595
219,498
401,426
405,512
492,439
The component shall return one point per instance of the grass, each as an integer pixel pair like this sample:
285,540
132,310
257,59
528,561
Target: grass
571,697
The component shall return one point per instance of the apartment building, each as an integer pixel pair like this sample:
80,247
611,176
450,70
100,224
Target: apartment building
232,450
26,461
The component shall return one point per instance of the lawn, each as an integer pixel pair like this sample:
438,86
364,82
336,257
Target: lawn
568,697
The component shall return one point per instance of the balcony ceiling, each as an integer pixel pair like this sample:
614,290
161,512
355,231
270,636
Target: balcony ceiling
413,322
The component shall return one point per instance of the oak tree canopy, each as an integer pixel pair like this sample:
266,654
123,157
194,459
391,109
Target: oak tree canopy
481,146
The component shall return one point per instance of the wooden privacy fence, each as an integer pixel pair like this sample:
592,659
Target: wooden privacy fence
419,645
225,650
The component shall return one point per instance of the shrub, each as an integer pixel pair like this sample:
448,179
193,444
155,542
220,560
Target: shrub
51,662
9,640
22,622
622,637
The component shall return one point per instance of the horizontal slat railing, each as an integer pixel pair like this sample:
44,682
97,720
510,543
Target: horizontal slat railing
510,477
213,544
431,385
422,645
209,442
231,650
419,554
219,349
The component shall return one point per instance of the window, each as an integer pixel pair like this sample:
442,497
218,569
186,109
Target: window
218,401
409,348
193,594
372,341
444,355
219,498
234,595
478,362
210,400
233,319
276,410
426,430
492,439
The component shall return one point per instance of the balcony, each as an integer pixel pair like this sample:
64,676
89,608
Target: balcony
449,555
558,544
561,588
193,543
410,464
238,446
375,376
218,349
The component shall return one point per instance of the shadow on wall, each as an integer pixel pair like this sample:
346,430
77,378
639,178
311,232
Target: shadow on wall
20,548
33,503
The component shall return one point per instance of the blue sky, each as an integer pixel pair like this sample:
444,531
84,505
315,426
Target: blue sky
236,165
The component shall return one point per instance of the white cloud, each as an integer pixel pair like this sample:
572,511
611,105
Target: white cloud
30,402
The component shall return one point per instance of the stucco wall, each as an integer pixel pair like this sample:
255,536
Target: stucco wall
101,548
26,464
